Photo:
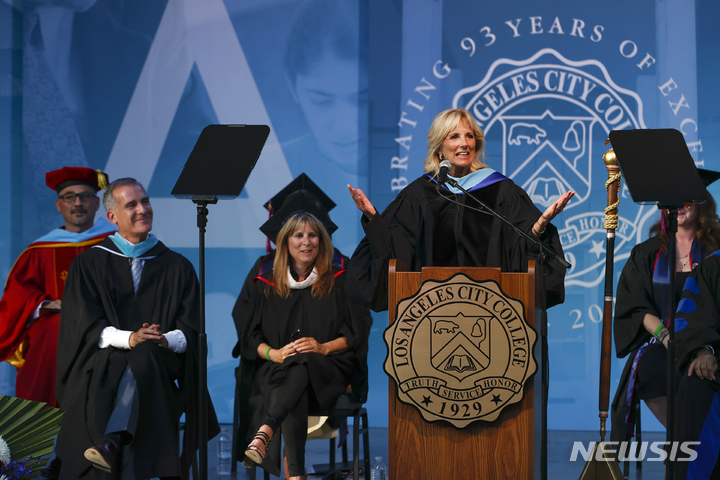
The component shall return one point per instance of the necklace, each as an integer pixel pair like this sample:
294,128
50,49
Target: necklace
683,262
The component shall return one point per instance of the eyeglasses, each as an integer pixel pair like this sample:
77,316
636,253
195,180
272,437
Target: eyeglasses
69,198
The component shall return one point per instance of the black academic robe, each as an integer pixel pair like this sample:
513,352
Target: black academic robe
423,228
697,321
273,320
697,324
264,263
634,299
99,293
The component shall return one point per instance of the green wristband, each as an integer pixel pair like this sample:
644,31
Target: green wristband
267,354
658,329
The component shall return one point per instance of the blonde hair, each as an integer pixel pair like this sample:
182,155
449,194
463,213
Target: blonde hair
444,123
323,262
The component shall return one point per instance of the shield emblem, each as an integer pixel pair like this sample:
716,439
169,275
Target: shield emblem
459,344
547,154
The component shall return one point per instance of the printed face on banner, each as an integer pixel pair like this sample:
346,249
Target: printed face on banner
331,96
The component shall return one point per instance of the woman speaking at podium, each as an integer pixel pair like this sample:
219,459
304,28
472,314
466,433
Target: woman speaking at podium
434,224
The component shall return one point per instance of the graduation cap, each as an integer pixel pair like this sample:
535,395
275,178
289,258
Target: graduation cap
68,176
708,176
300,200
301,182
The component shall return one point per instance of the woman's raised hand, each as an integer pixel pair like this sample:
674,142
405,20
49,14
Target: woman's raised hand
550,213
362,202
557,206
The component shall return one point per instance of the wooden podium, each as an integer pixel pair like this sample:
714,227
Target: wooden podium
422,450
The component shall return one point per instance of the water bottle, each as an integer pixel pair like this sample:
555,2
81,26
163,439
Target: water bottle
224,444
378,470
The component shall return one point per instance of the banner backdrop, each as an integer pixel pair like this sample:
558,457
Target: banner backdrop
349,89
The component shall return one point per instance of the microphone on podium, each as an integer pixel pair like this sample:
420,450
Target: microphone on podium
445,167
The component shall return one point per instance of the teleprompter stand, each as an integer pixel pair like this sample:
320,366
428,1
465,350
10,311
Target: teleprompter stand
217,168
658,168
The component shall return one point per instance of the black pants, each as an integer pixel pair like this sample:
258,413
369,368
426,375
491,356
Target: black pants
289,410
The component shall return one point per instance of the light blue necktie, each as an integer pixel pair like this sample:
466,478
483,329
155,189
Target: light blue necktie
136,268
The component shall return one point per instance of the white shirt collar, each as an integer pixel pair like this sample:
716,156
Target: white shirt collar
295,285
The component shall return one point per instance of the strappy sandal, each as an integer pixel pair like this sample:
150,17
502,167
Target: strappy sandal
254,453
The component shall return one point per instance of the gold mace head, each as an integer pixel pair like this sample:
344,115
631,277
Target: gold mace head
609,157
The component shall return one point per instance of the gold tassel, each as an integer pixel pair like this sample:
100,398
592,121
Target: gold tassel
102,179
17,359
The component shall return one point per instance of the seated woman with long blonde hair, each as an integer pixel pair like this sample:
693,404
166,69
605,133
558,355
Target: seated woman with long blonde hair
303,334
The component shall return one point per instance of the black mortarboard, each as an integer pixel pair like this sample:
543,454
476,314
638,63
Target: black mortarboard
301,182
708,176
300,200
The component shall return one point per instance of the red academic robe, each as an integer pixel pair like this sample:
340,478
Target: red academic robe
38,274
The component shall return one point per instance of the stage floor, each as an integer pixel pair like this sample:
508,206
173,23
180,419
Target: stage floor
559,450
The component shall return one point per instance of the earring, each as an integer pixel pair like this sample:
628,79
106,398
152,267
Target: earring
440,156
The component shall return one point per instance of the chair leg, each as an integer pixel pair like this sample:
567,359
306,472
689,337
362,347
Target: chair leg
253,471
234,455
626,468
236,424
332,454
366,444
360,427
638,433
356,445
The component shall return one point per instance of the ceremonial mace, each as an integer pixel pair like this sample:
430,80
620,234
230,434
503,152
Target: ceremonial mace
599,466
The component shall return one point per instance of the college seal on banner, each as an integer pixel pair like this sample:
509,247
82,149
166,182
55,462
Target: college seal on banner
460,350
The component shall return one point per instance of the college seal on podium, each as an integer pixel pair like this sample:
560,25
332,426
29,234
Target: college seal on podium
460,350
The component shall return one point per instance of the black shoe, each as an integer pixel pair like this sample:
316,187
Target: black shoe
102,455
52,471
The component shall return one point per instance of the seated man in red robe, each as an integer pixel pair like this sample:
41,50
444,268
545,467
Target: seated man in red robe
30,306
